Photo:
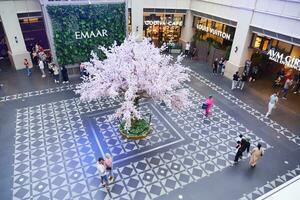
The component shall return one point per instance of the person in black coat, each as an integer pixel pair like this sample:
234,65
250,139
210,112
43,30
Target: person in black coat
215,66
242,146
64,73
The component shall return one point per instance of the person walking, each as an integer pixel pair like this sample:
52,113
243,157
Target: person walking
235,80
223,67
64,73
28,67
208,105
215,66
187,48
296,83
242,147
102,172
55,73
256,155
272,102
220,66
286,87
253,74
109,166
243,80
42,68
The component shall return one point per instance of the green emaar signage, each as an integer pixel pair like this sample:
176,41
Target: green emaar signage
80,29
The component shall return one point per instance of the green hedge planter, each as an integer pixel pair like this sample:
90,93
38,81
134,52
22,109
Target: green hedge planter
69,21
139,130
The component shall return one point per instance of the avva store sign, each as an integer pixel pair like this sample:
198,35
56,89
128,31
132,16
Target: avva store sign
290,61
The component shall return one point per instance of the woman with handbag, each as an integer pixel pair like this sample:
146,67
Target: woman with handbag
208,105
256,155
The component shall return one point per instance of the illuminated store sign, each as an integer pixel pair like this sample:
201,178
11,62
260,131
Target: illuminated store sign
290,61
214,31
90,34
163,23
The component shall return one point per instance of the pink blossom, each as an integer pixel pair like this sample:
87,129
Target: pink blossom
135,69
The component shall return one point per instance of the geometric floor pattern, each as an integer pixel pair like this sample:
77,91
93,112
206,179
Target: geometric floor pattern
55,154
272,184
258,115
37,92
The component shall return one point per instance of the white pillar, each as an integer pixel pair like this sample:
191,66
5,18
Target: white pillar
16,45
240,46
187,31
137,19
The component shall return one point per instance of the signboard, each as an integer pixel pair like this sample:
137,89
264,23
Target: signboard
290,61
213,31
79,29
163,23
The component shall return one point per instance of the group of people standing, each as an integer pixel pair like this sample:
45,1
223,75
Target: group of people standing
238,81
219,66
44,60
287,82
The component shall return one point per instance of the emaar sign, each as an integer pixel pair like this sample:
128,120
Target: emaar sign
290,61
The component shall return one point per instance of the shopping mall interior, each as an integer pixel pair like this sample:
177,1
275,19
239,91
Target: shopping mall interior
233,134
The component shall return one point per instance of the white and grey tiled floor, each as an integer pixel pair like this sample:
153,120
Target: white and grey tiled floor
57,144
260,116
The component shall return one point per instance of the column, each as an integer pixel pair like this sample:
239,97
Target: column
16,45
240,47
187,31
137,19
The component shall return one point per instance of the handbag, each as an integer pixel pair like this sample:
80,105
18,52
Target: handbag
204,105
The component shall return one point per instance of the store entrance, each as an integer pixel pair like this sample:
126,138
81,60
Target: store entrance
163,28
3,45
272,67
33,30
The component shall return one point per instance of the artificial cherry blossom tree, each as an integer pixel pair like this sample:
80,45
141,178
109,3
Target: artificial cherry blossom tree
135,70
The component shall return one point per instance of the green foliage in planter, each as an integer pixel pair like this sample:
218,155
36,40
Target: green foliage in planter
68,19
138,128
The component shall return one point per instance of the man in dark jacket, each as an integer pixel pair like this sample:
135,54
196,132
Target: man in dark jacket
244,145
215,66
235,80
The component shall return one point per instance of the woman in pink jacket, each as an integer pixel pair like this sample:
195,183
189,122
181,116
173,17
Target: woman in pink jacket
209,102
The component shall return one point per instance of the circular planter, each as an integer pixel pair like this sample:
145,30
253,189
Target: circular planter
139,130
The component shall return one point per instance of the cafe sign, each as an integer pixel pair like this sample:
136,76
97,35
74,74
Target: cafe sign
163,22
213,31
290,61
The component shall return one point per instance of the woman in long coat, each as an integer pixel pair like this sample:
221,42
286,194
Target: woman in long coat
256,155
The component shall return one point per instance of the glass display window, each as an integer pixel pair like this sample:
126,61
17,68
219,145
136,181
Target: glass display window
162,27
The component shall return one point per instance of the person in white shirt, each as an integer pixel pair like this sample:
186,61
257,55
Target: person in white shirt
187,48
272,102
42,67
102,172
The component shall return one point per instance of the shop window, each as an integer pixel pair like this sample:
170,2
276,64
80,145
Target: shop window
265,45
33,30
256,42
284,47
274,43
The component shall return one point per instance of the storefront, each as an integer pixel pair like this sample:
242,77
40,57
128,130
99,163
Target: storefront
270,55
3,46
163,27
217,34
33,30
212,39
